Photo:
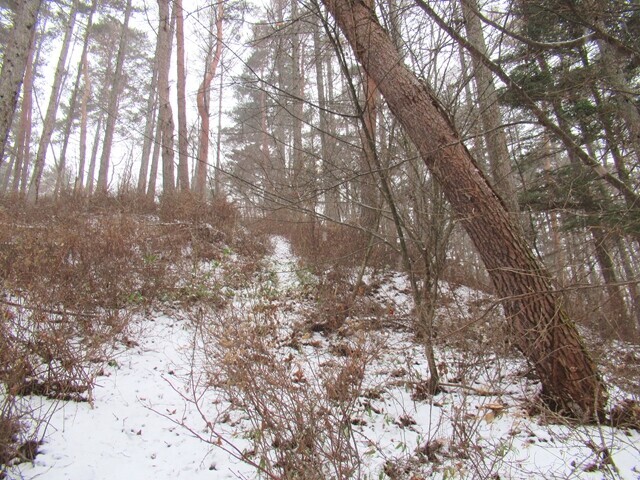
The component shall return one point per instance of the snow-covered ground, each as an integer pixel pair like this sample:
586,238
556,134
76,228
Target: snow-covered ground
143,424
132,429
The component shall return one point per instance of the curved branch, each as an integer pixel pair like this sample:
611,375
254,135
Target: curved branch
632,199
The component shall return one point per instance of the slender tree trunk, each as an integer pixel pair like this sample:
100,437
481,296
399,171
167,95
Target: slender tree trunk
326,136
150,126
265,152
565,136
84,118
368,189
539,324
624,96
7,175
183,140
14,63
619,319
155,159
200,186
74,100
489,112
23,139
52,109
112,110
611,133
559,261
94,157
217,180
299,178
617,323
165,115
26,163
632,285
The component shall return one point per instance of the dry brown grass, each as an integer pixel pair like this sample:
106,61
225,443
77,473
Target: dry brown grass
299,414
74,273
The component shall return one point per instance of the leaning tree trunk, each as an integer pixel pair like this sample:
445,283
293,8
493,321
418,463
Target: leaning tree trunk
72,103
539,325
52,108
14,63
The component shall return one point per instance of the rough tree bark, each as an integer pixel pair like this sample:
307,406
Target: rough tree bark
165,114
14,63
539,325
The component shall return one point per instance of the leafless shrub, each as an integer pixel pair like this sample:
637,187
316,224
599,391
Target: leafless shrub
299,410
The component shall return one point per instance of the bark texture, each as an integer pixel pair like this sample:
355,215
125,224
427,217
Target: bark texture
14,63
540,327
165,115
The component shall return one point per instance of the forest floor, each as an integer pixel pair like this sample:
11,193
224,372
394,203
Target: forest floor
280,380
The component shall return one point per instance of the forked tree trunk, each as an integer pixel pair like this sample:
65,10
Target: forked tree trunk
200,184
539,325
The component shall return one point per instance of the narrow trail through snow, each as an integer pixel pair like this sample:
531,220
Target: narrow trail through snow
135,427
132,431
283,263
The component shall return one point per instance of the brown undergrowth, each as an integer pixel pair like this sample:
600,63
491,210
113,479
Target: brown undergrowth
74,273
